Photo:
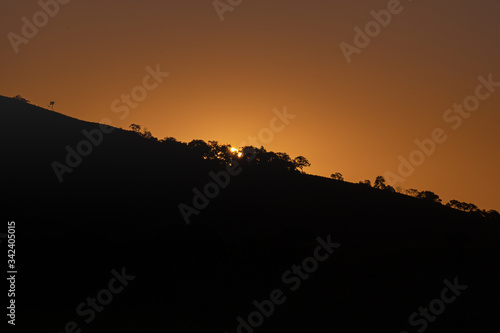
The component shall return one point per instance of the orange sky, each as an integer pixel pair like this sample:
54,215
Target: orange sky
226,77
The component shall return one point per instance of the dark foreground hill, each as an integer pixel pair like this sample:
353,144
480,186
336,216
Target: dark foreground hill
388,259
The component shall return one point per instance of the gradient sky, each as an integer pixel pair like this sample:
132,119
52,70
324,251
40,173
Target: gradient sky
227,76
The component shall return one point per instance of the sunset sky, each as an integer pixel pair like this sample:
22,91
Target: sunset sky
226,78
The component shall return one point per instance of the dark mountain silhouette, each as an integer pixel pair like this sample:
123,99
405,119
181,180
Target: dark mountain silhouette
120,208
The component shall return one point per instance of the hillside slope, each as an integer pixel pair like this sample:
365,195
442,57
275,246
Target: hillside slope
119,208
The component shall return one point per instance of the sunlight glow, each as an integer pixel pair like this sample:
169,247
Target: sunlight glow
235,150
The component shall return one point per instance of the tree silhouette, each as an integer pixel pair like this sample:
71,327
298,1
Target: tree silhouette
201,148
51,105
429,196
169,139
136,128
337,176
493,215
379,183
466,207
283,161
221,152
300,162
147,134
411,192
248,153
400,189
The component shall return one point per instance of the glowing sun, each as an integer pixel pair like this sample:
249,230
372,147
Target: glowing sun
236,151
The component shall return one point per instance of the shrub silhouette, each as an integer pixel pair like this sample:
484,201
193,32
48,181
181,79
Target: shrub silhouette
390,189
366,182
19,98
